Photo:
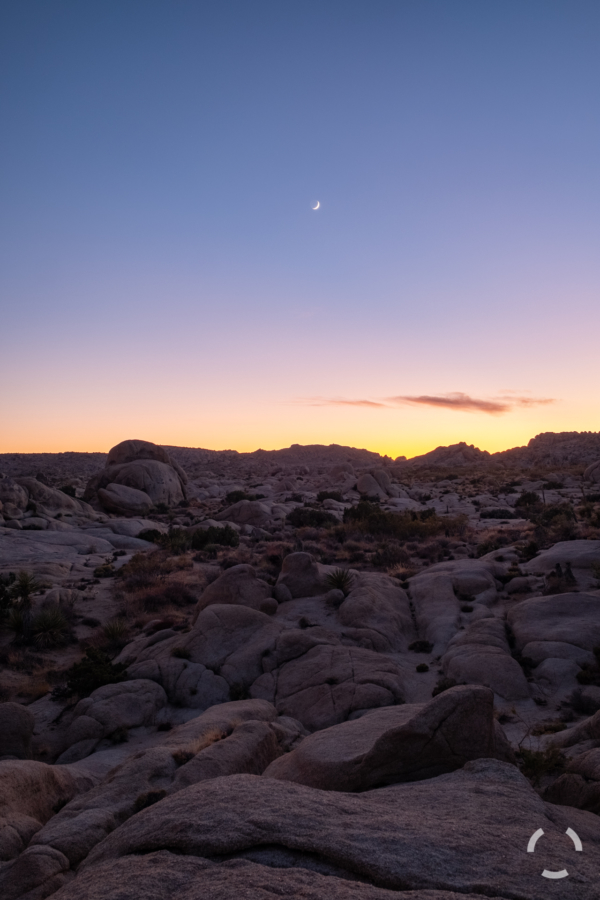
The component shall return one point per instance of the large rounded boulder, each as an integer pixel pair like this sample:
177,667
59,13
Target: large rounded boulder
137,476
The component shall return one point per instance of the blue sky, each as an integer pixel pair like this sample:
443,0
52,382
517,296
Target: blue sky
162,270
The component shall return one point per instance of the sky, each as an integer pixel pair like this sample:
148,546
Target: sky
162,272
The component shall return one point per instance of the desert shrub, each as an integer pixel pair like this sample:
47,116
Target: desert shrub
534,764
528,504
305,517
224,537
236,496
153,535
181,653
6,582
18,621
494,543
176,541
116,632
329,495
391,554
69,490
422,667
554,511
497,514
530,551
143,801
420,647
147,569
406,526
341,579
93,671
105,571
239,692
50,628
443,684
560,581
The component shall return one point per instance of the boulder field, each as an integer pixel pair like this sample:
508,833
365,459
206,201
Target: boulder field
317,673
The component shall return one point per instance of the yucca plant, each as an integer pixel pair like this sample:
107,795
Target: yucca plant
23,588
18,621
49,628
341,579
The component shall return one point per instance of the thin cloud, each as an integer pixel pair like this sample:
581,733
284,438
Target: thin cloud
333,401
456,400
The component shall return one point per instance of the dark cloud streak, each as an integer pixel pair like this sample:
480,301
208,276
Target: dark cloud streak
453,401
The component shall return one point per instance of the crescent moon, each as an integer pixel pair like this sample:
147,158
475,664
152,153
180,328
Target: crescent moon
317,206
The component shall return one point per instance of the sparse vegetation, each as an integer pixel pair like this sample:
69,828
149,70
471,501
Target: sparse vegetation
306,517
535,764
341,579
93,671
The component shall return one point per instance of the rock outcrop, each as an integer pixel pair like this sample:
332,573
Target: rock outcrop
138,475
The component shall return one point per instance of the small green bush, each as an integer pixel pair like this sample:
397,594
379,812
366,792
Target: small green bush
405,526
305,517
497,514
224,537
422,667
420,647
534,764
50,628
105,571
181,653
153,535
93,671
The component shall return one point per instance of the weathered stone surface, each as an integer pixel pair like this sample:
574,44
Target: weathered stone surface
164,875
30,792
572,618
370,487
16,728
186,684
396,744
35,874
238,585
143,467
112,707
329,682
246,512
135,449
119,498
378,604
592,473
302,575
579,554
231,738
481,655
465,831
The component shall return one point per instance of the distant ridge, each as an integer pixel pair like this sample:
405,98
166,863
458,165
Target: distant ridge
566,448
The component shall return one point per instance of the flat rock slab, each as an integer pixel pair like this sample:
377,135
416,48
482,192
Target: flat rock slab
467,831
404,743
164,875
